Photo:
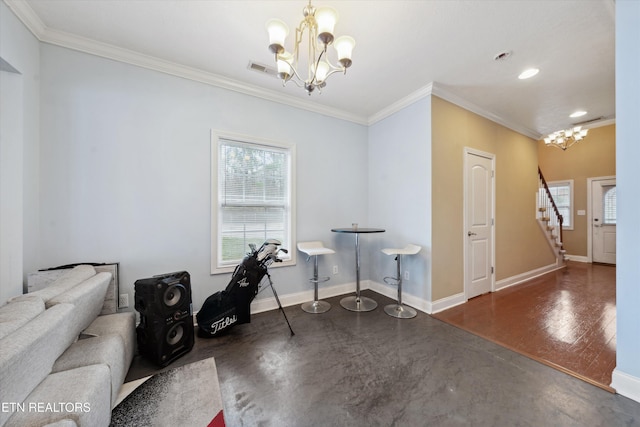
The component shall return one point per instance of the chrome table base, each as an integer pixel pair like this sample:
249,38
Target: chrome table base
400,311
358,303
316,307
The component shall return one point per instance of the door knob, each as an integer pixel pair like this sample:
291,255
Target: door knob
471,234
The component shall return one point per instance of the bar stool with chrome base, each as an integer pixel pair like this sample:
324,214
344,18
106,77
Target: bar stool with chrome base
313,249
400,310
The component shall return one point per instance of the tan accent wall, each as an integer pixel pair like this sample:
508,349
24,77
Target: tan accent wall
590,158
520,244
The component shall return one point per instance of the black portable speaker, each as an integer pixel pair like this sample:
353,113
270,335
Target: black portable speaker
166,328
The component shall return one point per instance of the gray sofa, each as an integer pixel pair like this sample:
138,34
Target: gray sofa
61,363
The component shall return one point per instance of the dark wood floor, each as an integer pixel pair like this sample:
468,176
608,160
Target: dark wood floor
565,319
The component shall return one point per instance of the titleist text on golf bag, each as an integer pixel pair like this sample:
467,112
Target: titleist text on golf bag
232,306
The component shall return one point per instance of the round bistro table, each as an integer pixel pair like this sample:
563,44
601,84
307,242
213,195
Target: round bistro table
357,302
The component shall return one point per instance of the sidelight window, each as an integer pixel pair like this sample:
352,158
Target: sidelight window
609,202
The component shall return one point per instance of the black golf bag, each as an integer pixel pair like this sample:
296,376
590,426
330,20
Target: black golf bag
232,306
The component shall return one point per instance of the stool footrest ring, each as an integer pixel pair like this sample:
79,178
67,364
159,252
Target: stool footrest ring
319,279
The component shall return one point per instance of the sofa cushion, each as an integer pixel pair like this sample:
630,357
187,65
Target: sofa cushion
15,314
88,297
67,281
29,353
108,350
82,395
122,324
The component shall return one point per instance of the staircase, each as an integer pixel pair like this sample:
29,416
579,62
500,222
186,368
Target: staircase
549,219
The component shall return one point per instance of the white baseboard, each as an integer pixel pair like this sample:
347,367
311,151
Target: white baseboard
270,303
578,258
528,275
260,305
392,292
448,302
626,385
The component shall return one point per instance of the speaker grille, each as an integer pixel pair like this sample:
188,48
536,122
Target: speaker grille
166,328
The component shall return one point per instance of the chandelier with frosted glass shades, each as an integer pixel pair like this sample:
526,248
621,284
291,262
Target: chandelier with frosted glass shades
308,66
564,139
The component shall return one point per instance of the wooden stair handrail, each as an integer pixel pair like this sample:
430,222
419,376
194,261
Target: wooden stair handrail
553,205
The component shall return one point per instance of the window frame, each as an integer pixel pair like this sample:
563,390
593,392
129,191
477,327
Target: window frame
217,138
566,183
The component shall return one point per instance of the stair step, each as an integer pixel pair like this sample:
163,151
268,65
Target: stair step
542,209
550,228
546,218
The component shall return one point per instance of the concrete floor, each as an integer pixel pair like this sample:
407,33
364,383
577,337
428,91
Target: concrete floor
368,369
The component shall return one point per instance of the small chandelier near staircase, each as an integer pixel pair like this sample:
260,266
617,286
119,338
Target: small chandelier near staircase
319,25
564,139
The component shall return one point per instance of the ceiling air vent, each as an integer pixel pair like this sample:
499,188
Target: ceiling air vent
586,122
264,69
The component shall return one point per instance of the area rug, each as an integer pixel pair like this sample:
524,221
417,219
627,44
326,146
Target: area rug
188,395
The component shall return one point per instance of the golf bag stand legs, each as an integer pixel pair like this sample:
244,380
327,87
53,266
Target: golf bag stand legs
279,305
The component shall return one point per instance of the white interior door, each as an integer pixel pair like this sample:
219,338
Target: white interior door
603,220
478,231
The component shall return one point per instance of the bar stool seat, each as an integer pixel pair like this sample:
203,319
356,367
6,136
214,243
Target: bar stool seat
315,249
399,310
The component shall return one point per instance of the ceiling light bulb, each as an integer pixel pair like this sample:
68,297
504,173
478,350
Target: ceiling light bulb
528,73
326,20
344,46
284,65
578,114
322,71
278,32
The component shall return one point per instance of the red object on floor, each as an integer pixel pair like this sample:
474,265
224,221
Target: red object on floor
218,421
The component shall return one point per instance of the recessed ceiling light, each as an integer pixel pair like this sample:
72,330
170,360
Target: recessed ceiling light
528,73
578,114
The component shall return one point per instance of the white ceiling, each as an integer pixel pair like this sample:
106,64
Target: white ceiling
403,50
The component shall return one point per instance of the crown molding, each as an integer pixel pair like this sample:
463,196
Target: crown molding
434,88
423,92
28,17
47,35
63,39
447,95
115,53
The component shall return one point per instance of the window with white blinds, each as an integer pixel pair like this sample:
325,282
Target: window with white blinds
562,193
252,198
